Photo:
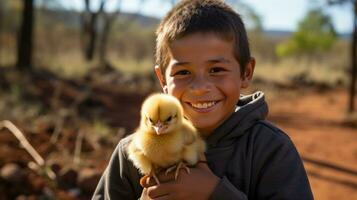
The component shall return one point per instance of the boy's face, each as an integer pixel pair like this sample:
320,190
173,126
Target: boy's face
204,75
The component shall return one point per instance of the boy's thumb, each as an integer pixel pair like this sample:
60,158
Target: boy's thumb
144,180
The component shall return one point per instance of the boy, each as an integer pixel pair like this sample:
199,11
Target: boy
203,59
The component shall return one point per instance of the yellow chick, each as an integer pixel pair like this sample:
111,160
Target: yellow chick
164,139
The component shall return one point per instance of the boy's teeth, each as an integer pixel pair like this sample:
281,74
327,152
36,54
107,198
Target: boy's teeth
203,105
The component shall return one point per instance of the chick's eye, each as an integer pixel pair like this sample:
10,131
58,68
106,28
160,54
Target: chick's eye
168,119
151,121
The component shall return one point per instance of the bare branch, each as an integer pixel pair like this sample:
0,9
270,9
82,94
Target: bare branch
87,5
24,142
102,4
78,148
40,162
333,2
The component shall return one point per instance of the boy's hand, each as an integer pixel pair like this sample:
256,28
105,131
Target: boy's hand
198,184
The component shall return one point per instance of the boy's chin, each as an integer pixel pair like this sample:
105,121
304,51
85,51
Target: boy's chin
205,128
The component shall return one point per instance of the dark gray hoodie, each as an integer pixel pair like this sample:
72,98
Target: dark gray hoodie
253,158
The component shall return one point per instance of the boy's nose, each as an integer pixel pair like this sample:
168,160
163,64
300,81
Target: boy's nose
200,85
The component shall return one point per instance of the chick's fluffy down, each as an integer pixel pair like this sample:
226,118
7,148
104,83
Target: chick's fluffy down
179,141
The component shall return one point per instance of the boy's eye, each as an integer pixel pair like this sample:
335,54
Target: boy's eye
217,69
181,72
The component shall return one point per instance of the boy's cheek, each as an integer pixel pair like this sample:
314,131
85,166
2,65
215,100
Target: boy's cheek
172,88
176,85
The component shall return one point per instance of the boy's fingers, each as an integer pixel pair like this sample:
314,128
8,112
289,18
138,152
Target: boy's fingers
166,197
167,177
202,165
143,181
148,181
159,191
144,195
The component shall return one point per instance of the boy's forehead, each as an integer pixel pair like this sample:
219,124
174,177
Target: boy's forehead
201,37
204,47
215,59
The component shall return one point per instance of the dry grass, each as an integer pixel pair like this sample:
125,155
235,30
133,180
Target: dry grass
132,66
7,57
284,71
71,64
59,51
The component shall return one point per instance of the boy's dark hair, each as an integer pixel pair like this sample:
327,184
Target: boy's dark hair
204,16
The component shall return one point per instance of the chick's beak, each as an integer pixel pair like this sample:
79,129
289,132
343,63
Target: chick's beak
159,128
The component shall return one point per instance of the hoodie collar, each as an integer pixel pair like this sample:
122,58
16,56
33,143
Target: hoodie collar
250,108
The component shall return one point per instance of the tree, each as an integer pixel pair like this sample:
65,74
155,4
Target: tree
353,71
251,18
1,10
1,21
108,19
96,27
173,2
25,40
315,34
89,28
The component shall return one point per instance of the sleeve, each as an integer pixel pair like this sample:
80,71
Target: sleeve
273,170
225,190
120,179
277,169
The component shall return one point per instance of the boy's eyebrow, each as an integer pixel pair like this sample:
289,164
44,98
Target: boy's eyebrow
178,63
213,60
219,60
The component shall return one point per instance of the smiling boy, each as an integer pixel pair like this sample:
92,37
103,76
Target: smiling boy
203,59
205,77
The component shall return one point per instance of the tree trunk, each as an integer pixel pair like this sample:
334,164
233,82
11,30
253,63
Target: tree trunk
89,29
24,46
92,37
1,28
352,89
1,14
108,22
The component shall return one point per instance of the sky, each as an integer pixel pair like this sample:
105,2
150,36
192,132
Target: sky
275,14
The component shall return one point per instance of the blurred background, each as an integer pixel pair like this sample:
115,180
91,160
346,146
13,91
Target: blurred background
73,74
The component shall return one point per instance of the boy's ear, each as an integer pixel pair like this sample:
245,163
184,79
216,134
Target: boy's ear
161,78
248,74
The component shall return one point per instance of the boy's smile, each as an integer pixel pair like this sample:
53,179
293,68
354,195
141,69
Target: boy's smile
204,75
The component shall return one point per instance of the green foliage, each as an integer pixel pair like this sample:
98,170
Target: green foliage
251,18
260,42
315,34
11,12
132,39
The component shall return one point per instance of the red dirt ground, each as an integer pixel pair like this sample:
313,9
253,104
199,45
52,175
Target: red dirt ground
314,121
